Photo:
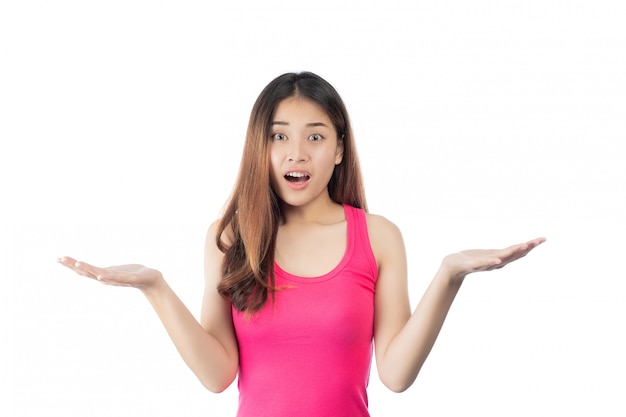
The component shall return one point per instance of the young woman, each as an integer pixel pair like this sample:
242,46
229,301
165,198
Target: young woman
302,284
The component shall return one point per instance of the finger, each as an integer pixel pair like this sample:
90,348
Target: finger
88,269
486,264
83,268
71,264
119,279
516,252
536,242
512,251
530,245
66,261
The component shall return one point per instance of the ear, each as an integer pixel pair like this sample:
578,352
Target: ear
339,153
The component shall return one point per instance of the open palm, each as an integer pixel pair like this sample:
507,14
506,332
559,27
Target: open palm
475,260
132,275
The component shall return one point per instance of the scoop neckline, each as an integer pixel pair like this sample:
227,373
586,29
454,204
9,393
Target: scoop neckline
334,271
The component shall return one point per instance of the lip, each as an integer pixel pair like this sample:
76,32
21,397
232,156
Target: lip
297,185
297,171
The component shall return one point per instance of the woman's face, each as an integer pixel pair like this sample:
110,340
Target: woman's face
304,150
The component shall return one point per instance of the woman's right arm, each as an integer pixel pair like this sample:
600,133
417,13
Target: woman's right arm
209,348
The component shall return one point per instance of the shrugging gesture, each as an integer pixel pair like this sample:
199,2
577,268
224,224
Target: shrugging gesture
300,278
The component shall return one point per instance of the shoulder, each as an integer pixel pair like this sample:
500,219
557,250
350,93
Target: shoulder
214,252
380,227
226,236
385,237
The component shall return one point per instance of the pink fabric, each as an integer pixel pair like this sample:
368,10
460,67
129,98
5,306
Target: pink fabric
309,353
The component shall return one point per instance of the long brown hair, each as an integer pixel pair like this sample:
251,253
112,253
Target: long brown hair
253,212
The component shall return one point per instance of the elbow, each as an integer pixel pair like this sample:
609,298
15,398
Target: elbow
397,383
218,383
398,387
217,386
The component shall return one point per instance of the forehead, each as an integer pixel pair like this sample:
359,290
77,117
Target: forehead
299,110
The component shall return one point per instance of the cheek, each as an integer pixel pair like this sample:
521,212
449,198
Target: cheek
330,158
275,168
326,165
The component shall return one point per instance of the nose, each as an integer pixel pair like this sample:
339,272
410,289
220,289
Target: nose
297,151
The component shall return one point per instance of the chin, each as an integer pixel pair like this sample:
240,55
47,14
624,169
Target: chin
291,200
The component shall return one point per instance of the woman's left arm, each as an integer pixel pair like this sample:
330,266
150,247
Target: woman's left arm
404,340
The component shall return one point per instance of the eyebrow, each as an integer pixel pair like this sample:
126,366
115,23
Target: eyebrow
312,124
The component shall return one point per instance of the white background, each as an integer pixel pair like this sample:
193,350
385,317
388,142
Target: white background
479,124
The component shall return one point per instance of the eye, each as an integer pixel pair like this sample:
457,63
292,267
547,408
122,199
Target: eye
315,137
278,136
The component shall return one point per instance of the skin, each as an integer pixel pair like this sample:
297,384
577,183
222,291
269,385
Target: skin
313,227
312,237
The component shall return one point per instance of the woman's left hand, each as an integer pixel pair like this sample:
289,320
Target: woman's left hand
460,264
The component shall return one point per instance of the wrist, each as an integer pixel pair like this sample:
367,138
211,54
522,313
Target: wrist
157,286
450,275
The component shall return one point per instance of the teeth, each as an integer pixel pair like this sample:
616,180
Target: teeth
295,174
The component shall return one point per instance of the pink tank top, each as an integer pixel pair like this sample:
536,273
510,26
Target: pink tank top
308,354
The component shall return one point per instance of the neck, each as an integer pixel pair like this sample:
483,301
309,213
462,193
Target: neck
323,211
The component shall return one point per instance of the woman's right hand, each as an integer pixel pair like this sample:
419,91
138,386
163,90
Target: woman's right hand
137,276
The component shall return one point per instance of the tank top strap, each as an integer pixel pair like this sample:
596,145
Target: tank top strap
358,234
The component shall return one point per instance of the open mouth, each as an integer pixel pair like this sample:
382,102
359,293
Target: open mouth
297,177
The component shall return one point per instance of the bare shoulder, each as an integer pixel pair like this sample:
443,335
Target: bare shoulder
227,236
385,237
379,227
379,222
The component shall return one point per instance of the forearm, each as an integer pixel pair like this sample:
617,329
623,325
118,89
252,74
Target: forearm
408,351
214,366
